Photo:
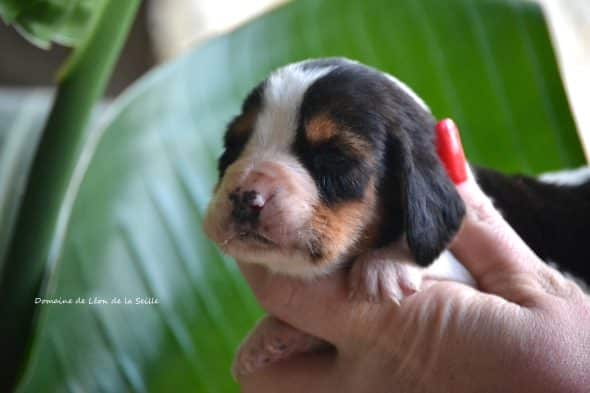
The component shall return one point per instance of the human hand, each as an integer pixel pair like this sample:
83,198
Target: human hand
525,328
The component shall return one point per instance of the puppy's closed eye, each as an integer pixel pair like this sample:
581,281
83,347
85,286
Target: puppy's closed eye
340,166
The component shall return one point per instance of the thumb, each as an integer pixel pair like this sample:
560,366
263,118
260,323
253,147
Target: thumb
486,244
309,372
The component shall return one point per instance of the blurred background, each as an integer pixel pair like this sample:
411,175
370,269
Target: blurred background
165,29
515,80
162,30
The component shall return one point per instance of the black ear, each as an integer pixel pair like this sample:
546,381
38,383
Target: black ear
432,208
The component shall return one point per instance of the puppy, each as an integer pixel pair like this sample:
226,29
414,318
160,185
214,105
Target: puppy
332,163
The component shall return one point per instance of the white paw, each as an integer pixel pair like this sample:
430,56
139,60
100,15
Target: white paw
383,274
270,341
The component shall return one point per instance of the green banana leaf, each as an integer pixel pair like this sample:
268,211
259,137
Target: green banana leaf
65,22
22,114
144,179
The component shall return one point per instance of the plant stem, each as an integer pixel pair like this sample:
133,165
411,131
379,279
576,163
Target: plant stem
82,85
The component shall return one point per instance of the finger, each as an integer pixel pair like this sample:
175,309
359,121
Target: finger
303,373
269,342
486,244
319,307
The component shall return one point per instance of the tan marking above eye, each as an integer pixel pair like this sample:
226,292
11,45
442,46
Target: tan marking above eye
320,129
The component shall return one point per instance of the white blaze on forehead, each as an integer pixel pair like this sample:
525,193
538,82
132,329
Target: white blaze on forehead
282,96
406,89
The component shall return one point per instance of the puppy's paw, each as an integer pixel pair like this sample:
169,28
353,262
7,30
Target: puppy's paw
269,342
383,275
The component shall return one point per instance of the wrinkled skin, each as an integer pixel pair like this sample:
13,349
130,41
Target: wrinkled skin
527,327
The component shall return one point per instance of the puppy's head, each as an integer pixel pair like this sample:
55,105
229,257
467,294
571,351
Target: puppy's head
328,158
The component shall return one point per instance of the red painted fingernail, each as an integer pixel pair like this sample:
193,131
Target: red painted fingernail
450,151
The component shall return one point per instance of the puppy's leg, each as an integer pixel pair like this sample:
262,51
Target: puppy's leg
390,274
384,274
269,342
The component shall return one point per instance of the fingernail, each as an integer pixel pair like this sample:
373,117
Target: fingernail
450,150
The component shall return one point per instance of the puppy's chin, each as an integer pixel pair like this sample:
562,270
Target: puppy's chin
295,259
294,263
286,251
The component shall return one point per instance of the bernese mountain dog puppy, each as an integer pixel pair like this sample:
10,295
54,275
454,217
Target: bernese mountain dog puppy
333,164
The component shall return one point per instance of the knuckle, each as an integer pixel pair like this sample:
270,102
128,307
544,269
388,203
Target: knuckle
557,284
483,210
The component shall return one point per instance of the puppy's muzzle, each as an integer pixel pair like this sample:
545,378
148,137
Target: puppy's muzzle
263,204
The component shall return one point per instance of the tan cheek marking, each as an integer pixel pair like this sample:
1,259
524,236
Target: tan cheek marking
320,129
371,233
346,227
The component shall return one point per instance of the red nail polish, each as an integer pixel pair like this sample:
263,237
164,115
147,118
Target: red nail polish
450,151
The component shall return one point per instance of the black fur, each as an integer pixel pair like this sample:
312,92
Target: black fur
411,180
554,220
234,143
342,95
433,210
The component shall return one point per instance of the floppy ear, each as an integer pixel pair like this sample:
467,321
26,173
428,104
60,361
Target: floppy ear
433,210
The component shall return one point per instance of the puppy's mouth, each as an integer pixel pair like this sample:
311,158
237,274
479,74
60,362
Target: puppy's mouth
255,237
250,237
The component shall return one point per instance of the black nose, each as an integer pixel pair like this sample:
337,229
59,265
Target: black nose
246,205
